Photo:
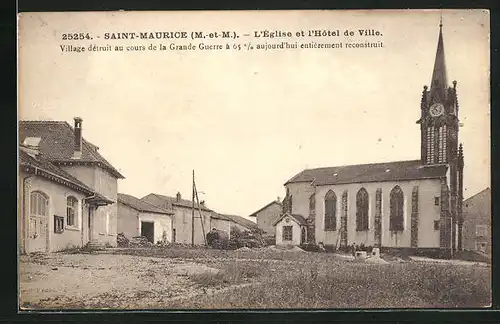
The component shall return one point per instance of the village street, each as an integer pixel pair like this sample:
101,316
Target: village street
171,279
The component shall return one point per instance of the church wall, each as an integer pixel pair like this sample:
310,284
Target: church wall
428,237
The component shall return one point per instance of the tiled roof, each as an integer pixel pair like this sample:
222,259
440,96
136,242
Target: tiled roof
57,143
241,221
45,168
41,164
375,172
140,205
270,204
301,220
167,202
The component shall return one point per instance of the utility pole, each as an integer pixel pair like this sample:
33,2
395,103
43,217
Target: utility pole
192,215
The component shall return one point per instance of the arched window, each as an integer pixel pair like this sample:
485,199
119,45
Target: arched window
442,143
362,210
397,211
430,144
330,211
71,208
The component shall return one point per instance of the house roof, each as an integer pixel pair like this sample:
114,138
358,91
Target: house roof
374,172
57,144
140,205
486,191
301,220
167,202
254,214
45,168
241,221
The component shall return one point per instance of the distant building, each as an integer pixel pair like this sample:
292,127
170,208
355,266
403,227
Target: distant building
241,223
68,191
267,215
411,205
139,218
183,216
477,222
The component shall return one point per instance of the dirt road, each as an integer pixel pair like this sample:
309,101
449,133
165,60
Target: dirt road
105,281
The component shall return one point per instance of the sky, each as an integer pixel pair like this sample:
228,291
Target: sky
247,121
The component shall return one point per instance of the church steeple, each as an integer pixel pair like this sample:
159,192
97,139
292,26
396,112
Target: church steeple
439,81
439,113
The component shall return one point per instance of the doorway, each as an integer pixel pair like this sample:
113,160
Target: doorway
38,235
303,237
148,231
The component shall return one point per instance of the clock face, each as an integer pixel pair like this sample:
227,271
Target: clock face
436,110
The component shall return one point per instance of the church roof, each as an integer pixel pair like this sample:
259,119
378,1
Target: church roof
374,172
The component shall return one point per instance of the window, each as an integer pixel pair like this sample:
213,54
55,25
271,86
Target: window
58,224
330,211
71,207
436,225
362,210
480,230
312,204
396,212
430,142
442,137
436,201
287,233
173,235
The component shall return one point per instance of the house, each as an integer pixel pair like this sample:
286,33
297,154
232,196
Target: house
411,205
241,223
67,190
477,222
293,229
182,209
139,218
267,215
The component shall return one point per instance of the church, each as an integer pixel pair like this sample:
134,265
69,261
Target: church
411,205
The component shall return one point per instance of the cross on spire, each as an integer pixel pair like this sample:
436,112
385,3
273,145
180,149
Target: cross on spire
439,80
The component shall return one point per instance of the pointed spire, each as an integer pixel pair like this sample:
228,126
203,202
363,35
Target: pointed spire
439,79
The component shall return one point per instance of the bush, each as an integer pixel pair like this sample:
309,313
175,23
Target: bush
217,239
269,240
241,238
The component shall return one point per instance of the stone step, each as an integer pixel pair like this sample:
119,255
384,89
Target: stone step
95,245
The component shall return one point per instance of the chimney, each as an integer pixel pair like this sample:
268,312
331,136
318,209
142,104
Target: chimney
202,203
78,138
278,199
178,196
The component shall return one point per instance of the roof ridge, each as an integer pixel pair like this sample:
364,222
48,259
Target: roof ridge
362,164
44,121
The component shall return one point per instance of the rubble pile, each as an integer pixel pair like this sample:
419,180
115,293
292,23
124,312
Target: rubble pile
122,240
140,241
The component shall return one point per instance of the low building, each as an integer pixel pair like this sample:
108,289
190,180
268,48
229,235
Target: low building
267,215
477,222
67,189
204,218
291,229
139,218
